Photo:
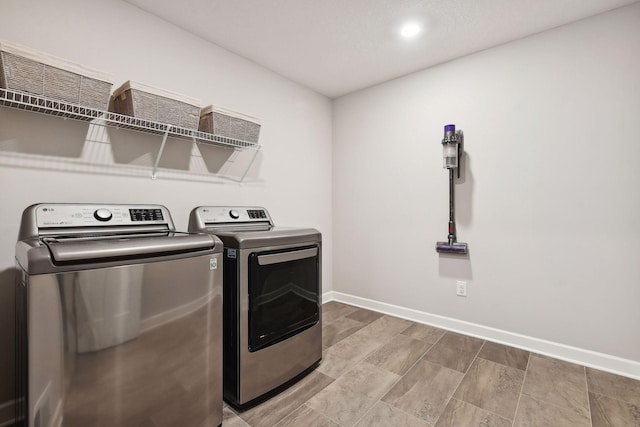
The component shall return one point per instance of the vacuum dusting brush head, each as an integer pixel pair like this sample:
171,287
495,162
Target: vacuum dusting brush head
452,248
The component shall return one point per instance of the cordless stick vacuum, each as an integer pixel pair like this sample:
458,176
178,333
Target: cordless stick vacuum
452,152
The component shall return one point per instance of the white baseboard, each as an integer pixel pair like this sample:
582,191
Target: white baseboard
592,359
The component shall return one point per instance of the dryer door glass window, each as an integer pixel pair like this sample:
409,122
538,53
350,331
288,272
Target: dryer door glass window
283,294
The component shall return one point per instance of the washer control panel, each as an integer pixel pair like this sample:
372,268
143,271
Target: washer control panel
232,214
73,215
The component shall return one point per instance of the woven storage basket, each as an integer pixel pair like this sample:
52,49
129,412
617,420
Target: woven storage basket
230,124
158,105
24,69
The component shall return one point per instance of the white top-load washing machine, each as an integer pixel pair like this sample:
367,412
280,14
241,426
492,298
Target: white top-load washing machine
272,300
118,318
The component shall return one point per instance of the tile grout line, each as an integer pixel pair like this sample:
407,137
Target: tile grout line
539,399
602,394
410,368
475,357
395,382
334,379
326,417
444,407
526,370
482,409
400,379
363,359
340,376
459,382
586,386
474,360
294,409
456,388
303,403
550,402
365,414
364,325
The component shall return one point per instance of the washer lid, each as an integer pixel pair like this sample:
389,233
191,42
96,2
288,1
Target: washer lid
58,237
96,249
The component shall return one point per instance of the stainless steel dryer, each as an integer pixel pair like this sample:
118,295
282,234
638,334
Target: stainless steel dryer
119,318
272,300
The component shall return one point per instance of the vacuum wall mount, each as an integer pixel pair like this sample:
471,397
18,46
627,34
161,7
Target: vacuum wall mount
452,150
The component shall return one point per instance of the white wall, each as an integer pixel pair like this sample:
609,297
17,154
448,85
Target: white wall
39,155
550,205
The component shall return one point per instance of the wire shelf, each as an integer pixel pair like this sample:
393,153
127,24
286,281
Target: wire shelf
41,104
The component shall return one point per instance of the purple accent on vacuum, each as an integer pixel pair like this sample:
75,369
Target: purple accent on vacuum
455,248
449,133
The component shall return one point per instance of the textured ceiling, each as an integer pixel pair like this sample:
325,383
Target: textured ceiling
339,46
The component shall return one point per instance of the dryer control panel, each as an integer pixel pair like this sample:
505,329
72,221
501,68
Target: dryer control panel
96,215
232,214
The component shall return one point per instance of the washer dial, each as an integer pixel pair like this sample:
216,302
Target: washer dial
102,214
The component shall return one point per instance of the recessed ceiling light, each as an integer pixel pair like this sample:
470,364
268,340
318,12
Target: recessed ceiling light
410,30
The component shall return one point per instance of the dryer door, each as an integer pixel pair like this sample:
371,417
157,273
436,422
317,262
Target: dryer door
283,294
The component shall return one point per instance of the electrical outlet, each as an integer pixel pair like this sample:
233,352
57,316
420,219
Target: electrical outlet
461,288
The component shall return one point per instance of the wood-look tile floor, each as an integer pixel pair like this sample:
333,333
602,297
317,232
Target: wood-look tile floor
379,370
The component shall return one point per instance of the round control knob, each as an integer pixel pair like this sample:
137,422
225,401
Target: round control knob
234,214
102,214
